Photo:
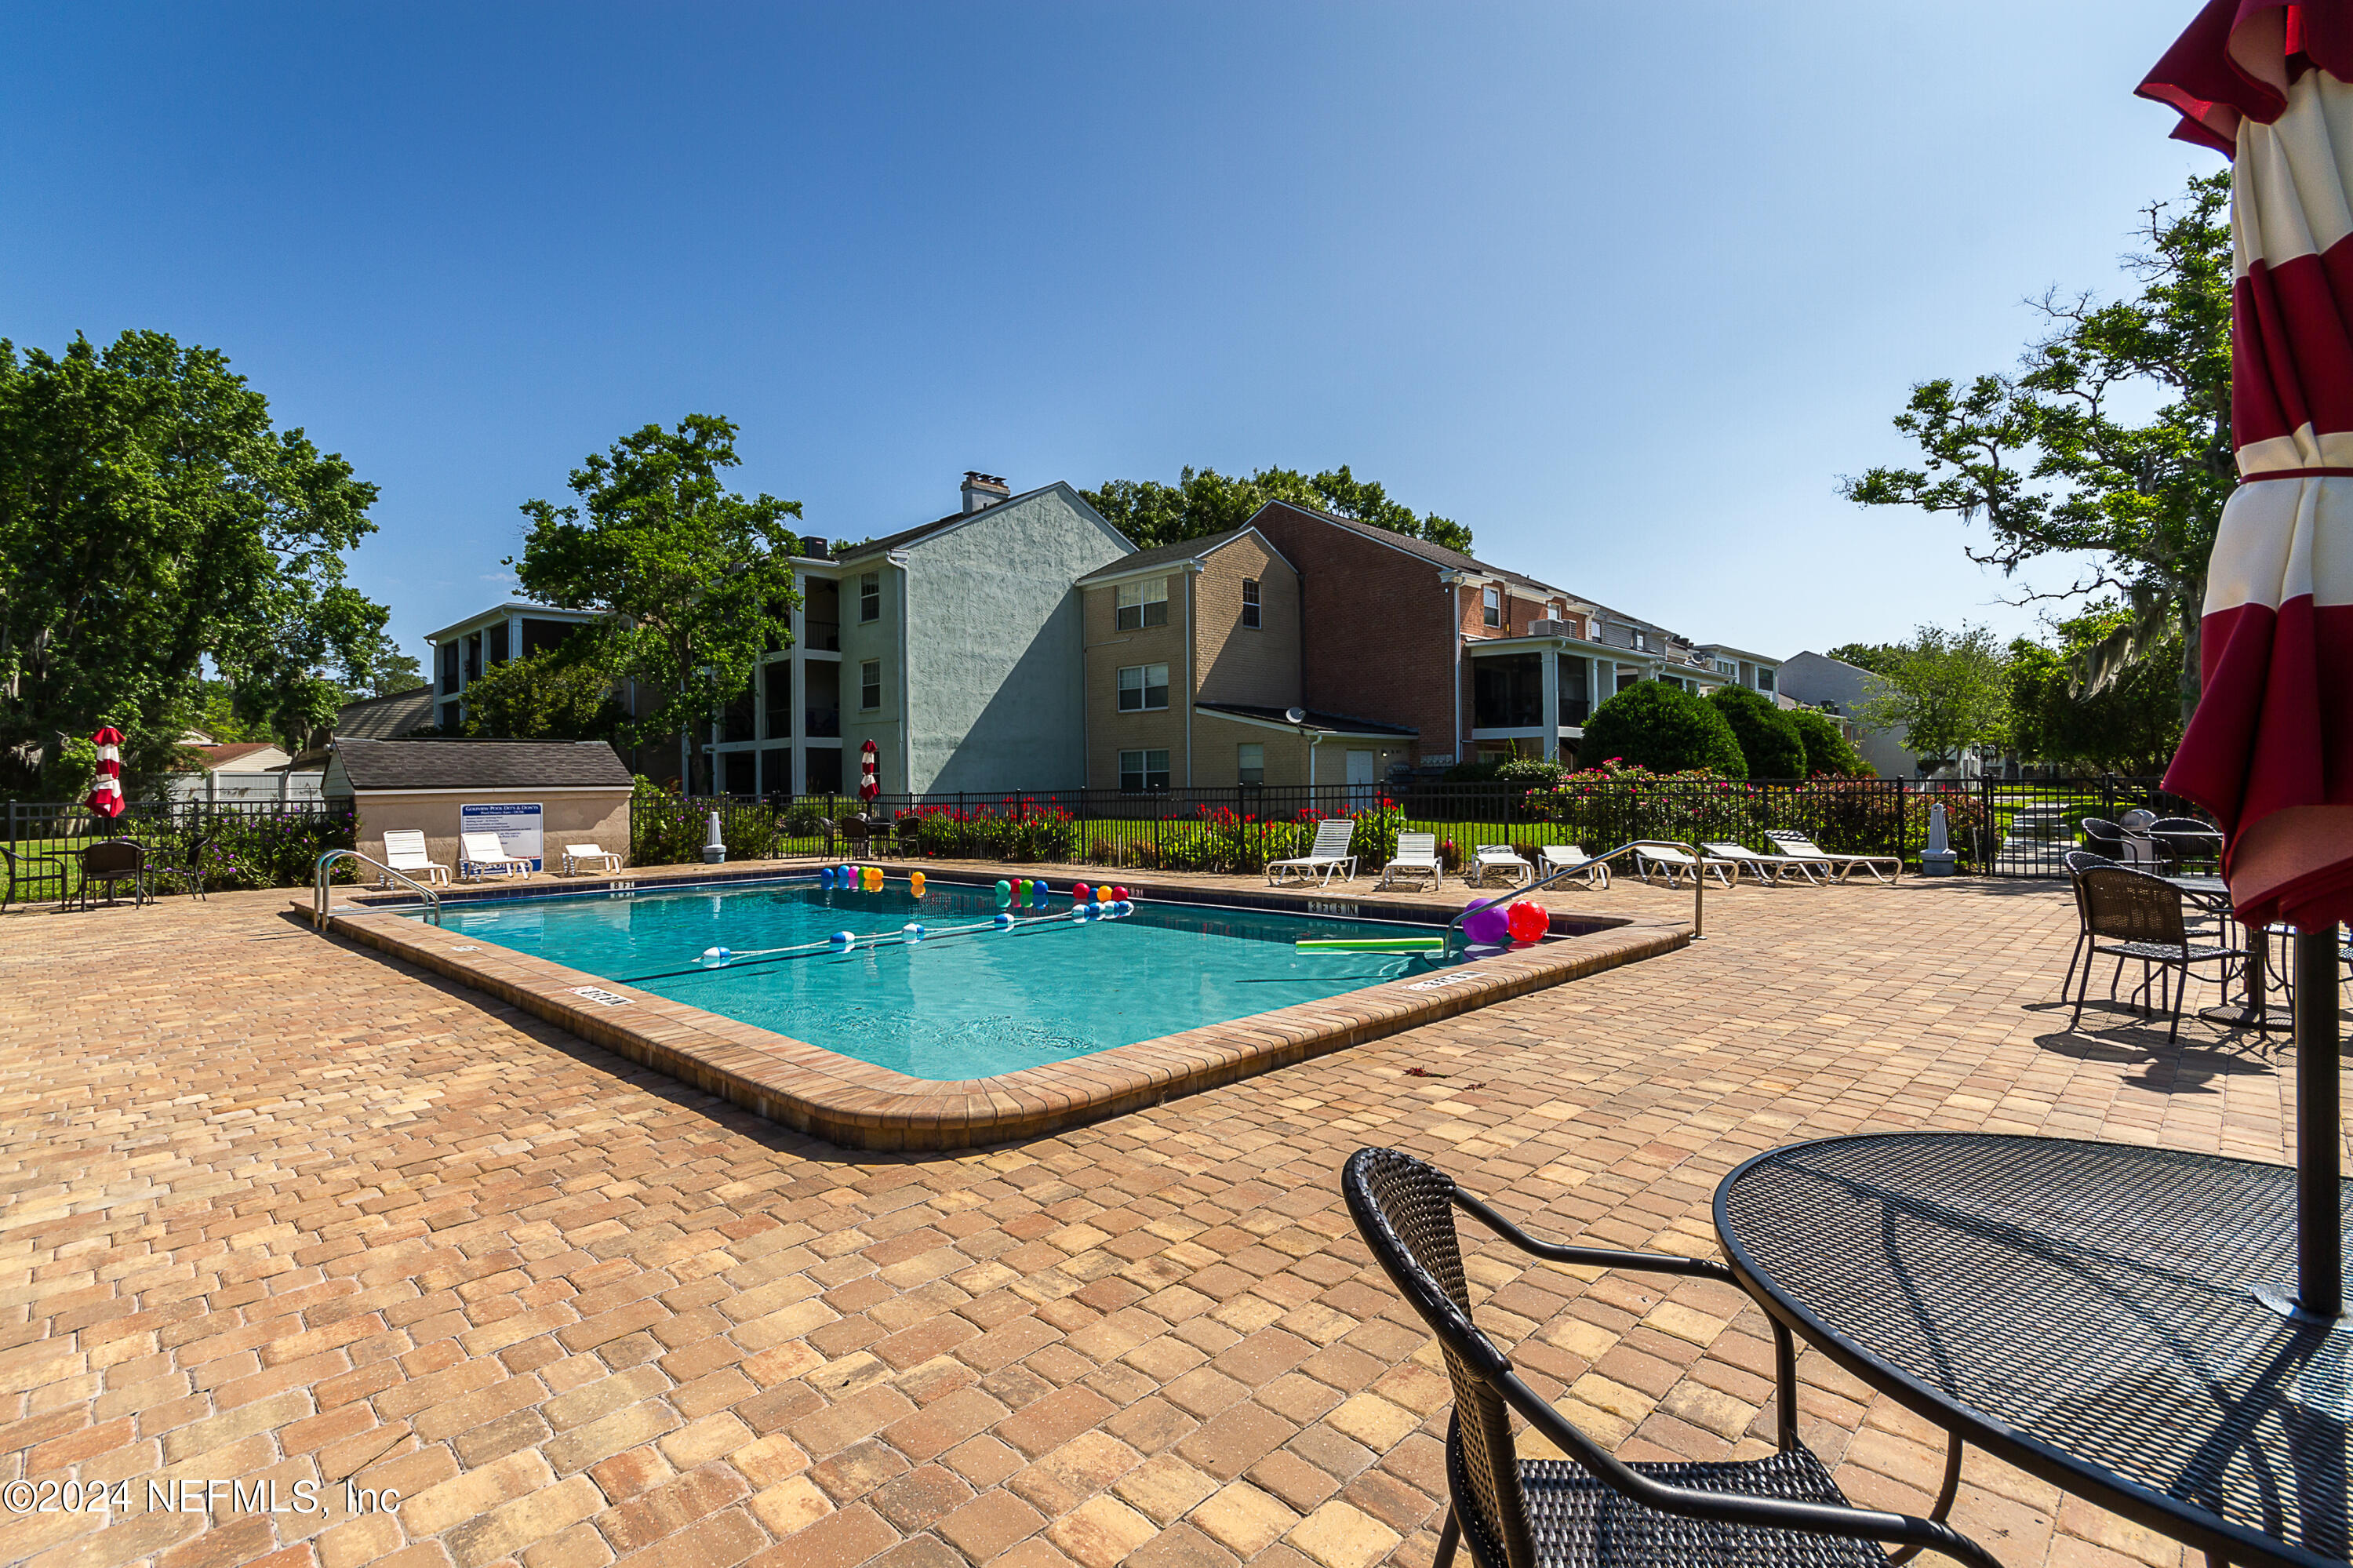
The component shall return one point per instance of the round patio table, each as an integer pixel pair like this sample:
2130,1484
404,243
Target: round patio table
2111,1319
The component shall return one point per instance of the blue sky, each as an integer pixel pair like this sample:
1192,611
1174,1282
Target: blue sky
1623,289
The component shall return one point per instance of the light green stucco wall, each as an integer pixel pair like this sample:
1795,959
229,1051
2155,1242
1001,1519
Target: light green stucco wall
860,642
996,676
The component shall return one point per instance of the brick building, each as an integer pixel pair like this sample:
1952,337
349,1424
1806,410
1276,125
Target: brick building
1193,672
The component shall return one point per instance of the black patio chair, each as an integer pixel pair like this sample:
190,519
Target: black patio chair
2135,916
2182,841
198,848
114,861
1592,1510
18,874
2106,838
2077,862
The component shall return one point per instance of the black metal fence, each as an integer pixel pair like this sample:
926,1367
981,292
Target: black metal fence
1999,826
230,843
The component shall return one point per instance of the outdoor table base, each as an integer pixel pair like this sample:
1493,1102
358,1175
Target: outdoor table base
2106,1317
2213,894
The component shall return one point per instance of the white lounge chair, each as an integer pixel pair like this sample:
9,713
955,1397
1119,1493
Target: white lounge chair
1765,867
1678,864
575,856
1417,856
481,854
1790,842
1554,859
1329,855
1499,857
404,852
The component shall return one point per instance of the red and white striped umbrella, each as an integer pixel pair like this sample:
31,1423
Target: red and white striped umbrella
2270,751
2269,83
870,771
106,793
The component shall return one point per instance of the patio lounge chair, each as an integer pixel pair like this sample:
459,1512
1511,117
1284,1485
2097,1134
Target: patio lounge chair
1499,857
1678,863
1592,1510
1330,854
576,856
1554,859
1769,868
1790,842
481,854
404,852
1417,856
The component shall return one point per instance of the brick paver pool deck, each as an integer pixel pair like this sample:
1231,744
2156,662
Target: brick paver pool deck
279,1208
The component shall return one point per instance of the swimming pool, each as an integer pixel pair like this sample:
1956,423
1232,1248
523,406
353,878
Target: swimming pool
947,1007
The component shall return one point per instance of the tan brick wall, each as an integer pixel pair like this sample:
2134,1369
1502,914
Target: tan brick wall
599,817
1255,666
1108,650
1217,750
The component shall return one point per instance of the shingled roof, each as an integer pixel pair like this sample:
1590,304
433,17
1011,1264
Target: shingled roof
392,765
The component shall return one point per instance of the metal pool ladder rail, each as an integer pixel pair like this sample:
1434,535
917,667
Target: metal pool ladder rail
318,896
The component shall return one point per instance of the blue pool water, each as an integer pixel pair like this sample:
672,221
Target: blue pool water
948,1007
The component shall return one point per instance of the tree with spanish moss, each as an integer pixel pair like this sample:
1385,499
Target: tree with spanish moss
2059,458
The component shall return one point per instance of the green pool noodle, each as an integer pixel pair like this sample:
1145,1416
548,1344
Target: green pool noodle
1369,944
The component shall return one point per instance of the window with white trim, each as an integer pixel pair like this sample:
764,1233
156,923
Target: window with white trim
1143,687
1764,679
870,597
870,684
1135,605
1250,601
1251,762
1491,606
1140,770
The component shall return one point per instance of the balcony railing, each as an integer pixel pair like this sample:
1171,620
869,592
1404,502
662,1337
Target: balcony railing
823,636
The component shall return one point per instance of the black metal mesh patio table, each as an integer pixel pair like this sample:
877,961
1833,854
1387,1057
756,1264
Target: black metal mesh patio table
2109,1318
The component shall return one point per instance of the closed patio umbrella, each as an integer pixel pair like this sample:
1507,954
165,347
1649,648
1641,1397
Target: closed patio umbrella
2270,750
870,771
106,793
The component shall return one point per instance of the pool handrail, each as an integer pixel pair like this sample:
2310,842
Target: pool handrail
1699,908
319,896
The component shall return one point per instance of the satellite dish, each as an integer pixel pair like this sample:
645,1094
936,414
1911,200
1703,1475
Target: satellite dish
1295,715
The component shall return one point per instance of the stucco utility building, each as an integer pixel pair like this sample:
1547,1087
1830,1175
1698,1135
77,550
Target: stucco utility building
537,795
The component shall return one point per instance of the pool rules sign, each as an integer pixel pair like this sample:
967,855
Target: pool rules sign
517,823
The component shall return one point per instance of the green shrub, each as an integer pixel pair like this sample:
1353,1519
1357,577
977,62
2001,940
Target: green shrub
1768,742
1662,729
1828,751
667,828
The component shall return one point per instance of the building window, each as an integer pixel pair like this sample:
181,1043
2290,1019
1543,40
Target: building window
1250,601
1251,762
1491,606
1764,679
870,684
1138,605
1140,770
779,693
1726,667
1143,687
870,597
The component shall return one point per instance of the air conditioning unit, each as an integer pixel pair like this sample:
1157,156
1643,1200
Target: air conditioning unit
1552,628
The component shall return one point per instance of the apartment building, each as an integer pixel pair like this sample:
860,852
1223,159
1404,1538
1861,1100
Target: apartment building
1193,676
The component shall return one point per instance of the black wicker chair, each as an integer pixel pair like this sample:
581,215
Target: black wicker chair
2184,841
1592,1510
20,864
114,861
2077,862
2135,916
198,848
2105,838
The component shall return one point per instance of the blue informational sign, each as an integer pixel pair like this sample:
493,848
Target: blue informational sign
517,823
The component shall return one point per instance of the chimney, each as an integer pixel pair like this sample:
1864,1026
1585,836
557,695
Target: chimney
983,490
816,546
